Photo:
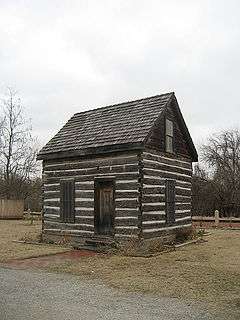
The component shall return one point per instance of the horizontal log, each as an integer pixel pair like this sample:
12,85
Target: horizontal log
183,212
183,184
153,217
68,226
182,198
129,230
153,181
183,191
170,161
84,194
87,185
160,206
92,171
127,194
149,164
126,212
151,194
106,161
84,212
118,221
51,210
86,178
126,218
45,220
84,199
127,185
181,218
152,224
51,194
166,175
153,190
183,206
126,203
147,198
149,203
126,222
153,206
84,219
64,232
52,202
125,237
155,232
51,217
84,204
88,195
182,222
51,187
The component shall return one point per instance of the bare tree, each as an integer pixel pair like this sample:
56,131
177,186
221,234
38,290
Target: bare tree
205,196
17,147
222,155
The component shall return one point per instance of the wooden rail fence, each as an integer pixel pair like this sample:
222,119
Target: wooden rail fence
216,221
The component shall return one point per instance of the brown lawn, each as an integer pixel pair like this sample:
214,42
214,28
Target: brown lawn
21,229
208,272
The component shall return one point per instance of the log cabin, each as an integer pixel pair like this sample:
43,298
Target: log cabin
118,173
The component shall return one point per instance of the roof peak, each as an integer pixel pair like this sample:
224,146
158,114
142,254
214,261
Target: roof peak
125,123
125,102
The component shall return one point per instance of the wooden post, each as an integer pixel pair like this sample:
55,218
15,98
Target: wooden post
230,222
31,216
201,221
216,214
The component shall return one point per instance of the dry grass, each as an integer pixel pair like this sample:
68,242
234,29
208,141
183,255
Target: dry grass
207,272
21,229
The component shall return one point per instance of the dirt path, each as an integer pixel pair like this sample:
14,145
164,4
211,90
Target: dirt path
49,260
206,273
27,295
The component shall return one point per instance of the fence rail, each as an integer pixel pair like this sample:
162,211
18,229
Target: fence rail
216,221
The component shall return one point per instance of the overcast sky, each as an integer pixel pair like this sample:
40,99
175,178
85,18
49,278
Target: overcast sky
67,56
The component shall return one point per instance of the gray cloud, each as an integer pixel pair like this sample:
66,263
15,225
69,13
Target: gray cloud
68,56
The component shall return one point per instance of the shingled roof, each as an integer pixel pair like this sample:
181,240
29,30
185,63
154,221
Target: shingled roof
124,123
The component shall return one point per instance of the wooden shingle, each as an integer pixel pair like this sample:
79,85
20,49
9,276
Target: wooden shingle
126,123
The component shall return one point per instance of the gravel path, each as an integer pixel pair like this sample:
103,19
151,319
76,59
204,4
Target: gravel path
43,296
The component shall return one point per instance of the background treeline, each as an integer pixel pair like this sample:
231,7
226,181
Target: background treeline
19,171
216,179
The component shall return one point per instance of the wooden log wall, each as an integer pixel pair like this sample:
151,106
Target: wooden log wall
123,168
156,169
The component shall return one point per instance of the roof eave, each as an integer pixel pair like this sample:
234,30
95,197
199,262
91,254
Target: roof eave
193,150
91,151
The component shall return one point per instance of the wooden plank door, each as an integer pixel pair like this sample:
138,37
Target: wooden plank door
104,210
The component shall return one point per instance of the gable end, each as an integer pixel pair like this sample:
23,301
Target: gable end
182,142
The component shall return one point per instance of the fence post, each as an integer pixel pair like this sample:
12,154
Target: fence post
30,216
216,215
